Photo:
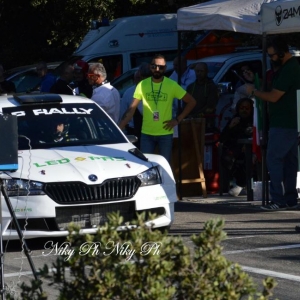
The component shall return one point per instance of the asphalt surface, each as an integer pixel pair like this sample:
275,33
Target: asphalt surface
263,243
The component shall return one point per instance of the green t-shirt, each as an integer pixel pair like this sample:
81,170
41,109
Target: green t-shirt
283,113
157,103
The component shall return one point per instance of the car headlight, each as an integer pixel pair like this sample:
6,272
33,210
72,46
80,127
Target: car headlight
21,187
150,177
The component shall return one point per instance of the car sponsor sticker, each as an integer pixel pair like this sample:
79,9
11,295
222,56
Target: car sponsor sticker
68,160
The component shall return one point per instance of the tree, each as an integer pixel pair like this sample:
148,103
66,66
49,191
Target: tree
52,30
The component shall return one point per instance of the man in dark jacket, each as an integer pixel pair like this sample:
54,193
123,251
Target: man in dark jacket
81,83
62,85
233,154
205,92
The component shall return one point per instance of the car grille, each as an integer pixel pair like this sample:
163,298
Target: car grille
88,216
79,192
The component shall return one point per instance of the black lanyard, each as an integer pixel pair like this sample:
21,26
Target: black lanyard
157,97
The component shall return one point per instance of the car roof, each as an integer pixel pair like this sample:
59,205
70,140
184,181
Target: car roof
247,54
40,99
14,71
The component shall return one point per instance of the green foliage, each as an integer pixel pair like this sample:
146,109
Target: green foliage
144,263
52,30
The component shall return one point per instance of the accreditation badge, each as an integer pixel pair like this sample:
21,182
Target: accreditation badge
156,116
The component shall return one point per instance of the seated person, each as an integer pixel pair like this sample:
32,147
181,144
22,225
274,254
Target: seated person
59,132
248,76
233,154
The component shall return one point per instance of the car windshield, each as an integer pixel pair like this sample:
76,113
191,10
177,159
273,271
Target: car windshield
61,125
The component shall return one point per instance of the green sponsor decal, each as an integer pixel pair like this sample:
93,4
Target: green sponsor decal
23,209
78,159
160,198
106,158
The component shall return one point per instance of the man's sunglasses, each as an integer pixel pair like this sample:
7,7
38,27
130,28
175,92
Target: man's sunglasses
271,55
154,67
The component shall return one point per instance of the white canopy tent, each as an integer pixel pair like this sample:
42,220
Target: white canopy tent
233,15
261,17
280,17
248,16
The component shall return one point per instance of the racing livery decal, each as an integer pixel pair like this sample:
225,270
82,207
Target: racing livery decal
67,160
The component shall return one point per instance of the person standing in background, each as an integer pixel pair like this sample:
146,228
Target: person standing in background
205,91
62,84
135,124
157,94
187,77
81,83
282,151
48,79
104,94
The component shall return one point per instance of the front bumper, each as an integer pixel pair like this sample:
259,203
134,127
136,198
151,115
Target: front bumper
89,218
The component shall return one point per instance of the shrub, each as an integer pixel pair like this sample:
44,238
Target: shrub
144,263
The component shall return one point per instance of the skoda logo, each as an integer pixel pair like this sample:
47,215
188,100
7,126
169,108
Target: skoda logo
93,177
278,15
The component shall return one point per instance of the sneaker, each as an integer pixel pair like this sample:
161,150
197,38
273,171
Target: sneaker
274,206
297,228
235,191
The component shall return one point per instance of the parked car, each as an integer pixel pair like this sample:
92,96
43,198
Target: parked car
224,69
76,165
25,78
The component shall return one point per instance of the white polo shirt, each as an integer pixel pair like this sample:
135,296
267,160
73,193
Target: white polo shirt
108,98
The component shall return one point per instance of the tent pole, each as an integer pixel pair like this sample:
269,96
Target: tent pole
179,126
265,190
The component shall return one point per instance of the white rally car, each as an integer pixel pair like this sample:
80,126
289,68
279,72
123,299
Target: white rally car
76,165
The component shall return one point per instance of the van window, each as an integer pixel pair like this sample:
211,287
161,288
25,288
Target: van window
137,58
113,65
233,75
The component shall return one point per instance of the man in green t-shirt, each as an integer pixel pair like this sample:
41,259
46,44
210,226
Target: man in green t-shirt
157,94
282,152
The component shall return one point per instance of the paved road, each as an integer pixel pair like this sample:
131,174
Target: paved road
263,243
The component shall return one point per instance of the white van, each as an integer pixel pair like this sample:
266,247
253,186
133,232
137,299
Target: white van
126,42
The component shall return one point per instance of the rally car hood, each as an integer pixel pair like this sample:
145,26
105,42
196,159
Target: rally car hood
80,163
